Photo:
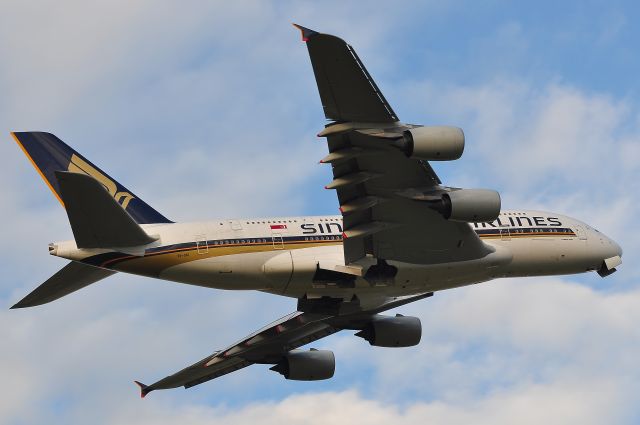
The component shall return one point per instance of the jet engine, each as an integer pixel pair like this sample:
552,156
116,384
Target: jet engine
312,365
469,205
389,331
433,143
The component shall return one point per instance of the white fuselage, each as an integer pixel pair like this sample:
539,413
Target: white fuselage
284,256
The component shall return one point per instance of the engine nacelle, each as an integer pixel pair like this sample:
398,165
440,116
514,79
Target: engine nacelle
433,143
469,205
389,331
312,365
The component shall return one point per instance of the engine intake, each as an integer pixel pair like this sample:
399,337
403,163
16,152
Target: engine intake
433,143
469,205
312,365
388,331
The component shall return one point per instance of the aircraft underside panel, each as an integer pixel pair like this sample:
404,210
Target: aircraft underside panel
267,271
312,272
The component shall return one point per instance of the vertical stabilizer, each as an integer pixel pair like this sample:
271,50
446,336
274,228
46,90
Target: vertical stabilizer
49,154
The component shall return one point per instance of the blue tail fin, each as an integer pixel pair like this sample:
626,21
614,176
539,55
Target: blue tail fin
49,154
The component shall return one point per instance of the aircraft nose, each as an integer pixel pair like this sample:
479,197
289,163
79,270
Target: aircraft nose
603,245
617,249
613,251
610,253
609,247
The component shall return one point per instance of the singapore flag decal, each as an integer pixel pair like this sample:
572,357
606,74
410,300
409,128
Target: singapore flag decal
278,226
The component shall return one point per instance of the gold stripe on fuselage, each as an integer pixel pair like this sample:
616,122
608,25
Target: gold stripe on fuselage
153,264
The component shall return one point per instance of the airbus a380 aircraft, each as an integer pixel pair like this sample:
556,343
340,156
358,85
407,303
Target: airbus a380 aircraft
401,235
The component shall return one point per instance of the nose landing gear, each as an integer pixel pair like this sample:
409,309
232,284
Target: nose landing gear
609,265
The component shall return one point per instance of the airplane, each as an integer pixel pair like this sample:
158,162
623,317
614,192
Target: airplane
401,234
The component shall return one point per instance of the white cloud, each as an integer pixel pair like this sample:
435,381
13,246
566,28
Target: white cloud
553,404
556,135
553,351
503,335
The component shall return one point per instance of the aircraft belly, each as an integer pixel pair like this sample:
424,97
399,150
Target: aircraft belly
270,271
408,278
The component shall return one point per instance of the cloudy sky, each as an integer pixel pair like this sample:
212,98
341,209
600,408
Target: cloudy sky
209,110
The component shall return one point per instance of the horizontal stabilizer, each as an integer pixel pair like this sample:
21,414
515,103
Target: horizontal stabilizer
96,218
69,279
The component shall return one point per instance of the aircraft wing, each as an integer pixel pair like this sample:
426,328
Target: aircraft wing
270,344
379,188
347,91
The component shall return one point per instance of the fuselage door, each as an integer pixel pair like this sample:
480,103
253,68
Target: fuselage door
278,243
201,244
505,234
